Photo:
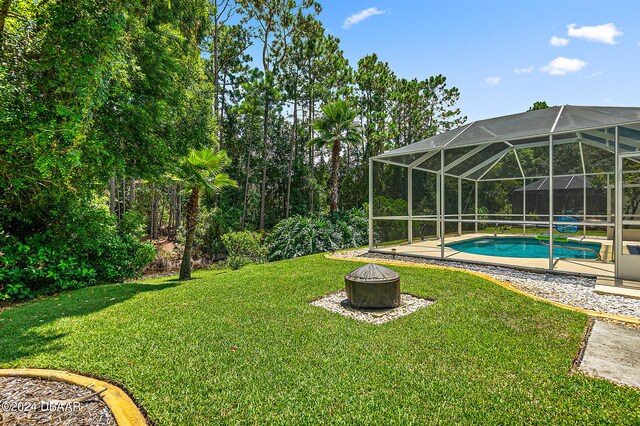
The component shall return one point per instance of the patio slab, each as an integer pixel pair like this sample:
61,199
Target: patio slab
613,352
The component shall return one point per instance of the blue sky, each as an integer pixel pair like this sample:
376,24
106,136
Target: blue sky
500,53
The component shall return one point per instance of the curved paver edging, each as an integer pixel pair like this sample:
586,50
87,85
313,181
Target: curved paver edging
508,286
124,410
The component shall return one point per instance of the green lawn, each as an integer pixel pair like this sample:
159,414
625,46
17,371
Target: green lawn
479,355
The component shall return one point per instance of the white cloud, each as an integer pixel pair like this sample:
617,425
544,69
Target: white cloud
559,41
493,81
605,33
361,16
563,66
525,70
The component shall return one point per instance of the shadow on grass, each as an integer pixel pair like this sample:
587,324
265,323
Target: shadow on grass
23,327
177,280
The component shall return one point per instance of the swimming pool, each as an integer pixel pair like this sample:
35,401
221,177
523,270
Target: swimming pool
524,247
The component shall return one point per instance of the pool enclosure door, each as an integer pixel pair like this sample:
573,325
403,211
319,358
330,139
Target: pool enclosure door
627,206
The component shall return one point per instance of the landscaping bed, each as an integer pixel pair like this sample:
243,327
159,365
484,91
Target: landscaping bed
32,401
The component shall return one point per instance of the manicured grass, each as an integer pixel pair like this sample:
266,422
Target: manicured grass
479,355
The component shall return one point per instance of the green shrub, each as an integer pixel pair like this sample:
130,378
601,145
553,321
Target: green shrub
84,246
213,223
353,226
390,230
300,236
244,248
533,217
390,207
483,214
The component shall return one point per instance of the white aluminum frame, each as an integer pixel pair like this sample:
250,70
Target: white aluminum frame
441,218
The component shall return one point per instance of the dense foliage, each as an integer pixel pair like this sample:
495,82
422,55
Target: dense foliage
265,113
89,90
244,248
99,101
213,223
86,246
300,236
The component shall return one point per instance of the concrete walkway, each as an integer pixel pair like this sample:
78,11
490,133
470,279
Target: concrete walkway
613,352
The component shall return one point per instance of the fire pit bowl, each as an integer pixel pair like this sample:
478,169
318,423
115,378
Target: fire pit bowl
373,286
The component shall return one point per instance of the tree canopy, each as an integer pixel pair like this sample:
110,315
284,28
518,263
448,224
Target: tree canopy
100,100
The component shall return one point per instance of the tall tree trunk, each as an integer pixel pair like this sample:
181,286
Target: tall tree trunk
4,11
335,176
294,146
216,66
192,221
365,151
153,215
312,184
263,186
161,215
152,219
246,182
174,213
112,195
223,89
311,156
132,193
178,209
124,195
348,157
156,216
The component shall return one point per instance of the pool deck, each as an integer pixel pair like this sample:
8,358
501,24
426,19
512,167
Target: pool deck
431,249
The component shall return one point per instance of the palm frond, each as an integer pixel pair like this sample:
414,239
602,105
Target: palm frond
336,125
204,168
221,180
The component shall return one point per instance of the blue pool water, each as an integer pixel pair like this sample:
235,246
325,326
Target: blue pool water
524,247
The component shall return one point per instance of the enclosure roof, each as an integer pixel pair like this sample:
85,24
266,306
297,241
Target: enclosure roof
548,121
559,183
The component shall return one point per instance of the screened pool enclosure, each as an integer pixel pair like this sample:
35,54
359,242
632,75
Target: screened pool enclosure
469,185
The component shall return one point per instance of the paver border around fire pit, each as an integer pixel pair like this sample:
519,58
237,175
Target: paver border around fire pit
123,409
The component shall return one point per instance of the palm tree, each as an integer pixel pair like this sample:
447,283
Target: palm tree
335,127
200,170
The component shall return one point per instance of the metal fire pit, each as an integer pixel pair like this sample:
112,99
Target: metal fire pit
373,286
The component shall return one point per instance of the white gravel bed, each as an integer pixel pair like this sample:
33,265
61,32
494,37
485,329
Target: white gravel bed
571,290
337,302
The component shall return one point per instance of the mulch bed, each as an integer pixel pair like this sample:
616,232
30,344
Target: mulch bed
30,401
